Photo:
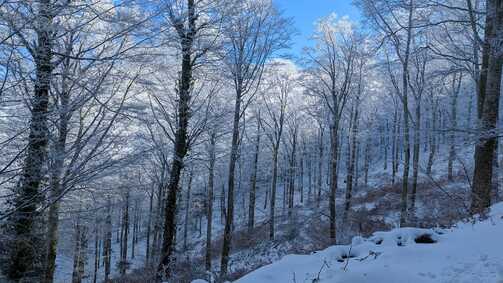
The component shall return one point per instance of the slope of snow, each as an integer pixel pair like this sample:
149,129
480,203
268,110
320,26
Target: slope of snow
469,252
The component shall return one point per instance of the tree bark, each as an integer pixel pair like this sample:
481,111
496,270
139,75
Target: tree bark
454,123
27,198
405,99
432,137
351,162
488,104
124,235
181,145
209,216
272,205
334,141
415,157
187,211
320,167
107,247
226,246
253,181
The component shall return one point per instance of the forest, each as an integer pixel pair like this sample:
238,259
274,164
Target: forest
185,141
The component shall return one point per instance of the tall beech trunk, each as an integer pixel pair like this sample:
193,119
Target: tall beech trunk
159,215
309,174
272,205
301,172
226,246
80,253
96,250
292,160
27,200
124,235
454,123
432,136
107,245
187,211
135,229
394,146
386,145
181,140
334,142
253,179
320,167
56,188
488,107
148,253
405,104
367,156
415,157
209,212
352,161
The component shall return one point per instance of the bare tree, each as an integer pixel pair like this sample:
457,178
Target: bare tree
333,64
255,32
488,101
190,22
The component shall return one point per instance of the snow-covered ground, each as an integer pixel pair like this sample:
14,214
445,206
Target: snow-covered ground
468,252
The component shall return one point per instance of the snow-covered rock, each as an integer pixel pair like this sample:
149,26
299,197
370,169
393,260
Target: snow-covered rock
466,253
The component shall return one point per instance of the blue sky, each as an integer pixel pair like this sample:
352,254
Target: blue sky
306,12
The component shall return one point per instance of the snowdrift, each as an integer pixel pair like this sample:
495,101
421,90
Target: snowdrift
468,252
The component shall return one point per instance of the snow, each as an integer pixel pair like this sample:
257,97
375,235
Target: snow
468,252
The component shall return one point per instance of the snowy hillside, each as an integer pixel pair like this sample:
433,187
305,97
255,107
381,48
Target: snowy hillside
467,253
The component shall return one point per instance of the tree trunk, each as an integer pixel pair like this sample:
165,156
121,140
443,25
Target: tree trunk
149,227
292,172
96,251
366,166
80,253
301,172
107,247
187,211
181,146
334,141
352,160
394,146
253,181
56,189
488,101
226,247
124,235
209,216
272,205
432,138
320,168
27,197
386,145
309,174
454,123
415,157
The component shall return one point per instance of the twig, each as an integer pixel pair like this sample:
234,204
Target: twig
371,253
347,257
317,279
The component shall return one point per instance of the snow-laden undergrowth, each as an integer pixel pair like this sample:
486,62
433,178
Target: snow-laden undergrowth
469,252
